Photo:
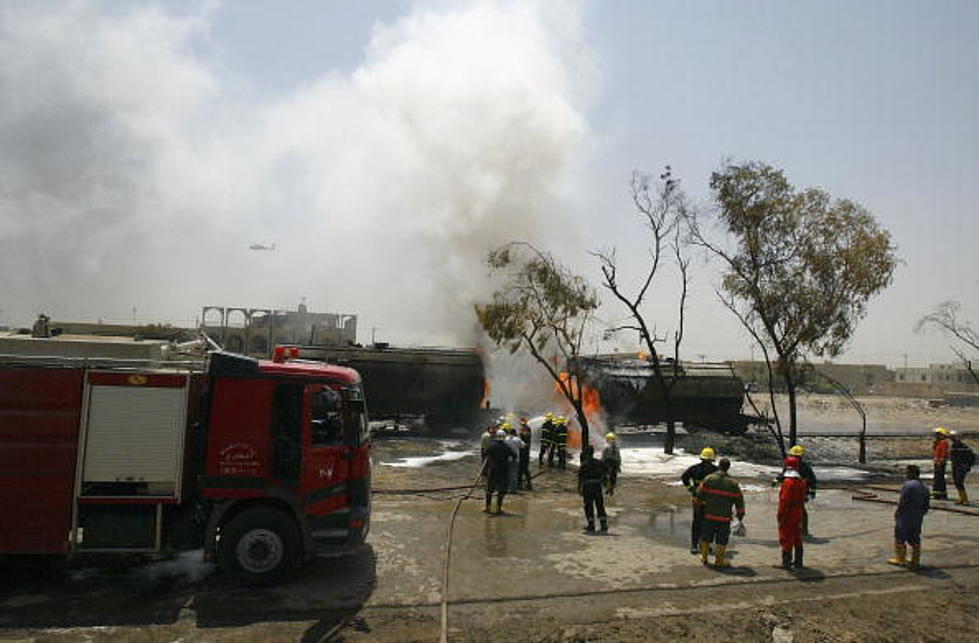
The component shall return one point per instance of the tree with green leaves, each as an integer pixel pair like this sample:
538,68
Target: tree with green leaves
964,340
799,268
662,206
543,308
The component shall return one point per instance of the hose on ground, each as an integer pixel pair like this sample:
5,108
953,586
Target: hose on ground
444,636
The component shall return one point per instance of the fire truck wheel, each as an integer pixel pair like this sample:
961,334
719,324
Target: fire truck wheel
259,546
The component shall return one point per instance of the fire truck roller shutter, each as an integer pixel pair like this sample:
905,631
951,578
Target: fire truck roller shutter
260,546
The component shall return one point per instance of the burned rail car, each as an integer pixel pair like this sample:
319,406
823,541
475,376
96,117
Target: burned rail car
444,387
705,396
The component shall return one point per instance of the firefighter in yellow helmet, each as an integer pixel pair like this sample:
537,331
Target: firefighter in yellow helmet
719,493
561,441
613,460
962,458
546,441
691,479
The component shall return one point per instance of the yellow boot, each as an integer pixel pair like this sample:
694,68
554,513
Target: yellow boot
900,555
719,558
915,557
704,550
963,497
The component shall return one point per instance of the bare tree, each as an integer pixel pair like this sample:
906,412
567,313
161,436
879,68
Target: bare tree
662,206
542,306
965,340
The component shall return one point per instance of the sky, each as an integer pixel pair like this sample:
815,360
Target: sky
385,147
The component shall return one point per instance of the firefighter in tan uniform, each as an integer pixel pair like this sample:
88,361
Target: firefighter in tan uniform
719,493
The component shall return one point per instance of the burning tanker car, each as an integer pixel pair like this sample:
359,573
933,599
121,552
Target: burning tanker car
705,396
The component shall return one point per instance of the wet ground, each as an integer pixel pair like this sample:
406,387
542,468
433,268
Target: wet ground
533,575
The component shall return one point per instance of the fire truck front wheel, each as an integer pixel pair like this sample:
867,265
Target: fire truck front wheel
259,546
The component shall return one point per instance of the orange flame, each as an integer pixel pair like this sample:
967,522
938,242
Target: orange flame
487,388
591,403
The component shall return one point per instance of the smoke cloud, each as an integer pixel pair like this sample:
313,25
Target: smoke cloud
135,171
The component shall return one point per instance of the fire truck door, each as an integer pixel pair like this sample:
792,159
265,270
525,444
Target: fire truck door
326,464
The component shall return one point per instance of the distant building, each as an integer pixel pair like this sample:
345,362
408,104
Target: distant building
949,377
256,331
859,379
862,379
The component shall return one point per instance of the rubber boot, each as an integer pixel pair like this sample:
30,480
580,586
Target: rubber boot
719,560
797,563
604,524
963,497
499,505
900,555
786,559
590,527
915,559
487,509
704,550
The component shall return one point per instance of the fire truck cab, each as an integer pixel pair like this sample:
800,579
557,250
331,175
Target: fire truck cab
260,463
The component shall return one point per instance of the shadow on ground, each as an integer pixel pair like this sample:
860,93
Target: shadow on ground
327,590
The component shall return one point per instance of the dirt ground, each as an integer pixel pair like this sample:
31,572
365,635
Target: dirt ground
533,575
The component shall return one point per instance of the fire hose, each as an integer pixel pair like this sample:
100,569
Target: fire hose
866,493
444,636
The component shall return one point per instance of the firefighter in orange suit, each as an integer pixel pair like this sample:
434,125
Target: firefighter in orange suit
718,493
791,509
939,455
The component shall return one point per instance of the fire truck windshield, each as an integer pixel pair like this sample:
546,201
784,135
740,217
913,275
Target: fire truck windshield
327,420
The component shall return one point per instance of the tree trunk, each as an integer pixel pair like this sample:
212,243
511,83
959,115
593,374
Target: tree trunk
670,441
582,422
790,387
862,456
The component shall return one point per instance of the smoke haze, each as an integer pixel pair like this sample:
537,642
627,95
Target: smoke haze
135,170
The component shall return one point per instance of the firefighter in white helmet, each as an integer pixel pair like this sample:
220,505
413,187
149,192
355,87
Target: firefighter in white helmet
807,474
613,460
498,456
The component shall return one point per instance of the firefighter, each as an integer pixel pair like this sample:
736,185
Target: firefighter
561,441
516,445
591,475
546,440
911,509
962,458
498,455
691,479
485,439
791,510
613,460
810,477
718,493
523,472
939,451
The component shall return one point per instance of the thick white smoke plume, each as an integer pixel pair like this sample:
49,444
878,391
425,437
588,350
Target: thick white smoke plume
135,171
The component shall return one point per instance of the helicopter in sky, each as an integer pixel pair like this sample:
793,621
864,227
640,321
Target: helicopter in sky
262,246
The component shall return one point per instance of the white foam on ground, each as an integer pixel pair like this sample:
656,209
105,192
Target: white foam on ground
654,463
449,453
649,462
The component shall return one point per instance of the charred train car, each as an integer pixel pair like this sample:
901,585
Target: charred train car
443,386
704,396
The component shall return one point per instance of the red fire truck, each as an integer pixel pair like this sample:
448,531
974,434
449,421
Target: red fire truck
260,463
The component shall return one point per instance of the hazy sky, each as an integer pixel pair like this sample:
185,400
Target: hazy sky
384,147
